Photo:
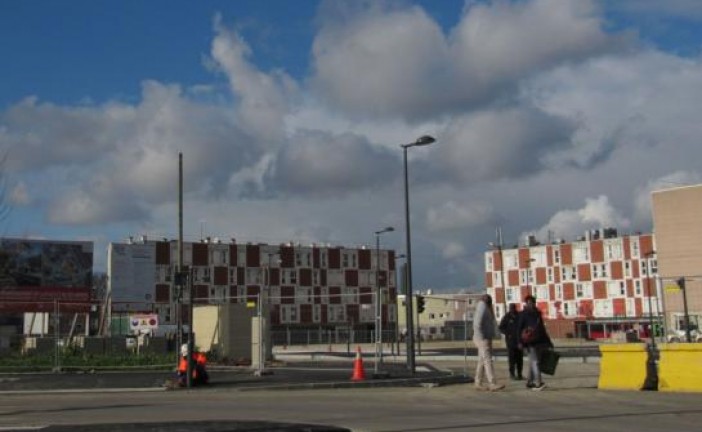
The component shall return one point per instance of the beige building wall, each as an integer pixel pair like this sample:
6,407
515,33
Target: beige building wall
677,224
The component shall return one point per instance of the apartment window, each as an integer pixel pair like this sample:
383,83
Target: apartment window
635,248
627,269
489,264
559,292
613,250
549,274
253,276
595,271
603,270
542,292
323,258
637,288
556,256
345,259
583,290
298,259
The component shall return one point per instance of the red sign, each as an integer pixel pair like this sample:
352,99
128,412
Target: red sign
44,299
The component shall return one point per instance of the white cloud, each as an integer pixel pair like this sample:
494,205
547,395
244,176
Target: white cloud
397,62
597,213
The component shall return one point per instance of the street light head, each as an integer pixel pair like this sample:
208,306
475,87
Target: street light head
384,230
421,141
424,140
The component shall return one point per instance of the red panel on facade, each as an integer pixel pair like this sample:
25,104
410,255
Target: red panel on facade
568,291
305,275
512,277
163,293
275,276
335,295
392,292
638,306
626,245
202,293
323,277
287,257
617,270
253,255
599,290
287,295
646,244
240,276
540,275
391,260
524,258
566,254
317,295
275,314
334,258
365,295
549,256
584,272
499,295
585,309
364,259
352,313
220,276
252,293
523,292
163,253
306,313
488,279
557,275
233,294
233,255
619,306
636,269
315,257
597,251
630,288
200,254
351,278
551,291
324,315
385,316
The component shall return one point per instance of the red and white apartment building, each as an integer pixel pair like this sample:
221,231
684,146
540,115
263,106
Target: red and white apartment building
305,286
587,288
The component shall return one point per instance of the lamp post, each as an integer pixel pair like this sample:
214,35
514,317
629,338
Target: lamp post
261,327
421,141
379,302
650,305
498,246
401,285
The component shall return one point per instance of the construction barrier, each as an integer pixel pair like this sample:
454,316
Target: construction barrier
680,367
622,366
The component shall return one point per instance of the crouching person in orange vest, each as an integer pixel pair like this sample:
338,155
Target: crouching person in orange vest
198,366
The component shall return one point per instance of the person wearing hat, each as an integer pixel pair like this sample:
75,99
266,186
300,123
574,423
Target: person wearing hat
484,331
534,339
515,355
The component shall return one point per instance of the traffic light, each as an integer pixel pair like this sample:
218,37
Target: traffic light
420,304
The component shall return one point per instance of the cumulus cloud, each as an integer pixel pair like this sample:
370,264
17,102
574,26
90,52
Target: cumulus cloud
453,250
454,216
597,213
397,61
317,163
497,144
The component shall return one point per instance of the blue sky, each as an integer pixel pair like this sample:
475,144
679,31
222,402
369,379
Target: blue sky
551,116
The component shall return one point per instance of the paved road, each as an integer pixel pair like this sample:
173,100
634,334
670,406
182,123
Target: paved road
571,403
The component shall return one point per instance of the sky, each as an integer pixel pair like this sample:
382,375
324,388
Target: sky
551,117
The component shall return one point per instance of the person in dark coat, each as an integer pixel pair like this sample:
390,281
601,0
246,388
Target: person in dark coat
515,355
534,339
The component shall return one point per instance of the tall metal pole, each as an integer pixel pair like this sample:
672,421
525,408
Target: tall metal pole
378,308
502,271
408,295
650,304
421,141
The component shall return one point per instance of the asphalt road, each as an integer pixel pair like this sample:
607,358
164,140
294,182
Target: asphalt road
570,403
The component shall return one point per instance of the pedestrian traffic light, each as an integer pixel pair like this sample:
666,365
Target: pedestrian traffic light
420,304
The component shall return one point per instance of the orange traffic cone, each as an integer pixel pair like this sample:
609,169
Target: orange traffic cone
358,373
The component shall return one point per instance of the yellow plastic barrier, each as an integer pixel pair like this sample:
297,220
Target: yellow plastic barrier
622,366
680,367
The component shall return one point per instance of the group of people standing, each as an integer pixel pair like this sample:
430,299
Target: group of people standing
524,331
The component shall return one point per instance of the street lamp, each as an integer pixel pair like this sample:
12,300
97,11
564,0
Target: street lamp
421,141
379,301
503,282
402,286
650,306
261,328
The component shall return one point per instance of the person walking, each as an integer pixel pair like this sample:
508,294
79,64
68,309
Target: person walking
534,339
515,355
483,333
